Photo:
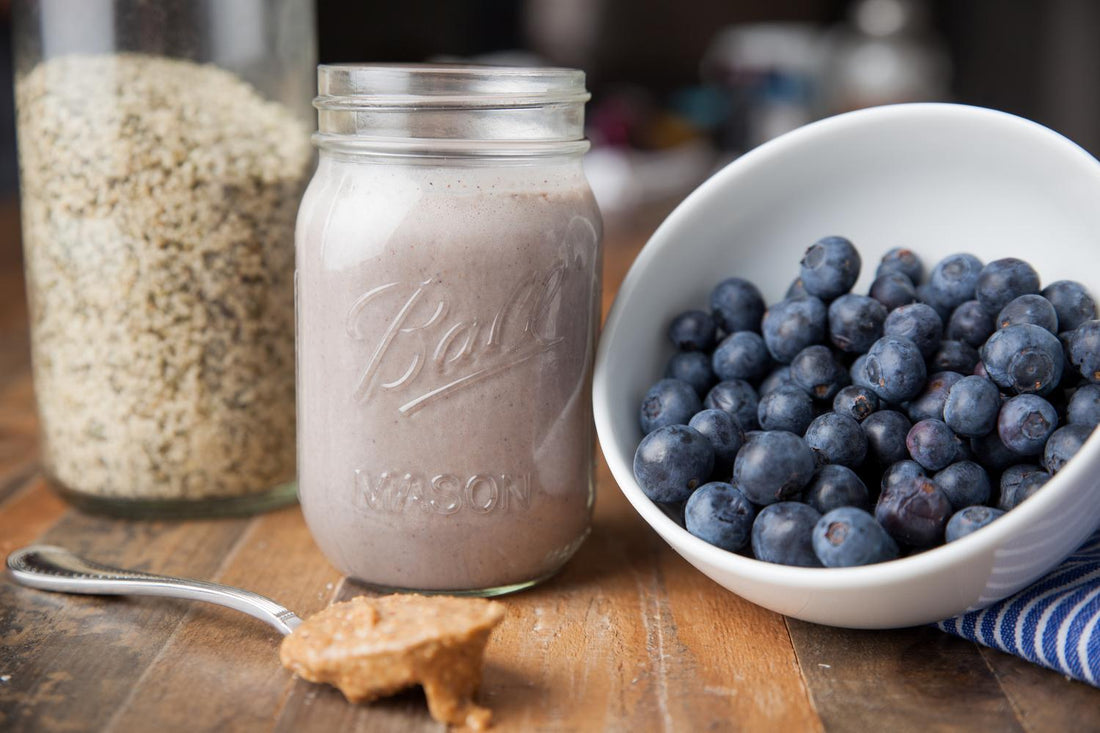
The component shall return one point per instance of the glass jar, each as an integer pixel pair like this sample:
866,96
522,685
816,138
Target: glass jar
163,151
448,299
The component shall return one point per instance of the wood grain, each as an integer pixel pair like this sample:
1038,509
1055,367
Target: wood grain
1044,700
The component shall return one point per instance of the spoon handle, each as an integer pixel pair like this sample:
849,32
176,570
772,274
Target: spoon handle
53,568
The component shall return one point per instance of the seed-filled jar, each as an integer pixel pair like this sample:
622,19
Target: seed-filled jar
448,298
163,150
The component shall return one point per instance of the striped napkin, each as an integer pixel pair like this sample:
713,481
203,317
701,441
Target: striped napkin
1054,622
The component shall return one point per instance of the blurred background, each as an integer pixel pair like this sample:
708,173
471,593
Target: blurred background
679,88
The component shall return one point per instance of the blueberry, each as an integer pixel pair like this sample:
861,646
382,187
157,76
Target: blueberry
932,444
954,356
855,322
917,322
830,268
692,331
796,289
1010,482
741,355
992,453
783,533
1024,358
773,466
737,305
817,371
837,439
900,471
925,294
738,398
972,406
835,486
692,367
929,403
668,402
672,462
780,377
720,514
968,520
1025,422
1071,302
1084,350
903,261
895,369
1063,445
1033,309
723,432
1084,406
964,483
1002,281
914,511
893,290
1025,489
953,280
886,431
849,536
970,324
858,373
793,324
786,408
856,402
979,370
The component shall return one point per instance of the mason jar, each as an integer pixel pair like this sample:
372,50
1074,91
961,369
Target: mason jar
448,283
163,151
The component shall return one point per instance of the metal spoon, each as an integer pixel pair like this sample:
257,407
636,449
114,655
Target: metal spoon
56,569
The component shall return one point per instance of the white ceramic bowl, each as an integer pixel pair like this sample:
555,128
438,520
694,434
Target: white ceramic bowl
936,178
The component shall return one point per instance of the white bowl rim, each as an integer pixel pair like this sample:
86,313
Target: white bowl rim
866,576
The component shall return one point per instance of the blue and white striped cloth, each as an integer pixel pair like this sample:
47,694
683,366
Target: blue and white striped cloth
1054,622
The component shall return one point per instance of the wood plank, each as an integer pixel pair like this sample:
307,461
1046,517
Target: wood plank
18,432
27,513
1030,689
918,679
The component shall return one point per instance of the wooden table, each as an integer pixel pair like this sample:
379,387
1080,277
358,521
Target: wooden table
628,637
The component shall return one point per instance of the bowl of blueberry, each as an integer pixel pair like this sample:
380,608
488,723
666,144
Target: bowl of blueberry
854,376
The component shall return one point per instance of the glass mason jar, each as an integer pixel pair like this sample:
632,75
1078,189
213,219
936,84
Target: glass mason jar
163,151
448,300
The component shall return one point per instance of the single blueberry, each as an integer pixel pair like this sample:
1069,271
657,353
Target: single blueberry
796,289
972,406
855,322
1024,358
793,324
780,377
992,453
720,514
899,472
926,295
1025,489
786,408
817,371
1071,302
783,533
886,431
741,355
837,439
858,373
979,370
954,356
953,280
1084,406
1025,422
773,466
964,483
672,462
693,331
1010,482
893,290
928,405
692,367
849,536
895,369
914,511
932,444
903,261
968,520
835,486
723,432
1031,308
737,305
917,322
668,402
738,398
1084,350
856,402
970,324
1004,280
1063,445
830,268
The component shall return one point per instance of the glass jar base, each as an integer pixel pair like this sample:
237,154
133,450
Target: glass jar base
236,506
